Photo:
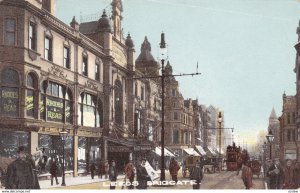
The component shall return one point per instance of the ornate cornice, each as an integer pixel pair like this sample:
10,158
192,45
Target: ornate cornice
56,71
92,85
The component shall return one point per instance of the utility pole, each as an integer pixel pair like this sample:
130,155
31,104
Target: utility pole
220,128
163,76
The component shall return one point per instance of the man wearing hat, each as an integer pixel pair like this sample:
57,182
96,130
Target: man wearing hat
129,172
20,173
247,175
142,175
197,175
113,174
275,173
174,168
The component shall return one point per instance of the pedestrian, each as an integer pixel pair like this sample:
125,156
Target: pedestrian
101,169
113,174
130,173
247,175
289,177
53,172
275,174
156,165
267,165
20,173
174,168
196,175
93,169
106,168
184,169
297,174
142,175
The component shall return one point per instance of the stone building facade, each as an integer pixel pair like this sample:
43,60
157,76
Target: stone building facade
179,117
297,71
78,78
288,143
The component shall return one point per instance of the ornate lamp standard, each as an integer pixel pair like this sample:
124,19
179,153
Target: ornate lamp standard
264,156
63,134
163,52
220,126
270,138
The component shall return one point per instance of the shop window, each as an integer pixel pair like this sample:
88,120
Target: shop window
97,72
67,57
175,116
136,89
48,48
10,31
31,95
85,65
142,93
9,93
174,92
56,102
32,36
90,111
175,137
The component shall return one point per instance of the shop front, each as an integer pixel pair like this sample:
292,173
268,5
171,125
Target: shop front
51,147
11,140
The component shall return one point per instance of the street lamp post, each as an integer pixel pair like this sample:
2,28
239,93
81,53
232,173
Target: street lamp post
63,134
264,157
163,53
220,123
270,138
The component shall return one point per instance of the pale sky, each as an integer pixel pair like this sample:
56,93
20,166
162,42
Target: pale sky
245,50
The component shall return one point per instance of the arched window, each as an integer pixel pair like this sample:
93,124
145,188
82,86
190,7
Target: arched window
118,102
31,95
10,93
90,111
56,101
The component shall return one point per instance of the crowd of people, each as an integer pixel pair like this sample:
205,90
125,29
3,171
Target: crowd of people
277,175
282,176
21,173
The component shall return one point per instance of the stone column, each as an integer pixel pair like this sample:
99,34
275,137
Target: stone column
75,155
104,149
34,142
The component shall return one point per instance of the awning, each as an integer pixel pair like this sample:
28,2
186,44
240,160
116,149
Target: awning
217,150
191,151
167,152
200,149
211,151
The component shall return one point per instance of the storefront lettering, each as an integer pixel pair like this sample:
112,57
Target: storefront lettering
51,103
54,115
9,94
54,109
118,149
10,101
10,107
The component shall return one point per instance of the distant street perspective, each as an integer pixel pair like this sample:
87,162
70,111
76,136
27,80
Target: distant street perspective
149,94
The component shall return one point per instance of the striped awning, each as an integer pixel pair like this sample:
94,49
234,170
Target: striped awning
200,149
191,151
166,152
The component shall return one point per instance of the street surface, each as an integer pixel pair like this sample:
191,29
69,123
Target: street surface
219,180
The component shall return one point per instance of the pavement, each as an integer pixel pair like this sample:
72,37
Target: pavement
73,181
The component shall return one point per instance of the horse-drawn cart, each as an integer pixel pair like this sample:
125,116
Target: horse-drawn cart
190,162
255,167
